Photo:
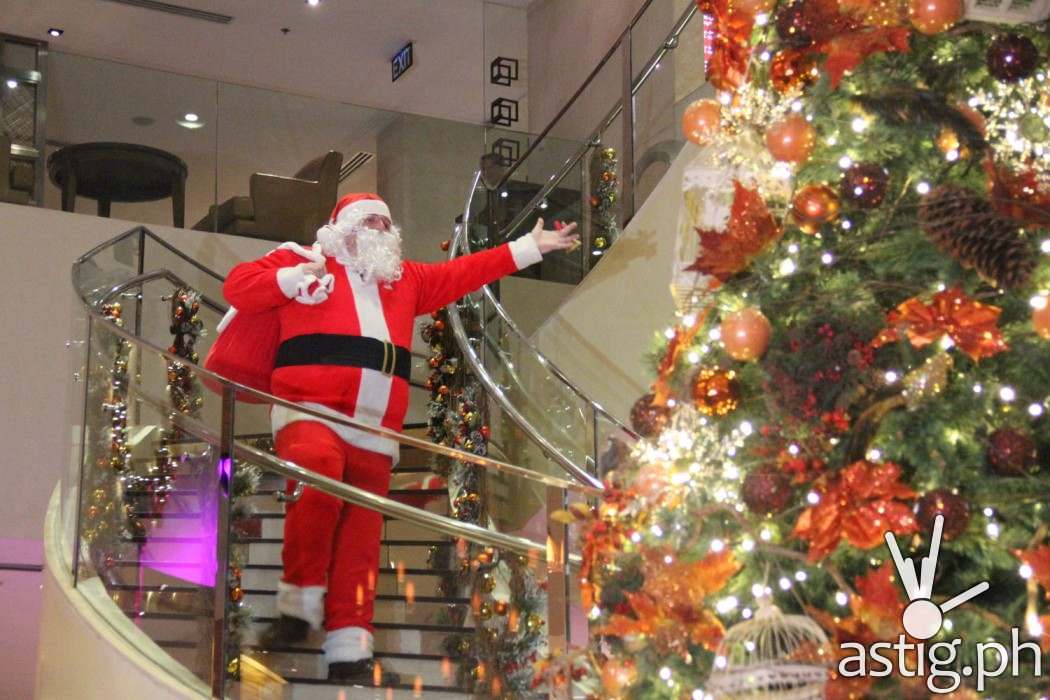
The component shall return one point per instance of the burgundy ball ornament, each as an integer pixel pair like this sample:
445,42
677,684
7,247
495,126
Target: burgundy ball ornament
791,26
954,508
864,185
1012,57
1011,452
765,491
648,419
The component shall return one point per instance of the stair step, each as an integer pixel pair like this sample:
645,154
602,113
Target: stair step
431,670
416,626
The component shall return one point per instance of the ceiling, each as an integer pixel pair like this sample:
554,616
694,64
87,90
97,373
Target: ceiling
337,51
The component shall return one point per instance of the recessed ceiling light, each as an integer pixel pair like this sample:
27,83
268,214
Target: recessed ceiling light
191,117
190,120
313,3
56,32
12,83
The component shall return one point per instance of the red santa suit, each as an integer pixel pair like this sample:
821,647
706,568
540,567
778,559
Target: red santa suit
331,549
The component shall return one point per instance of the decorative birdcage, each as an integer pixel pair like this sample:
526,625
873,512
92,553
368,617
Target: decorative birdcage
772,656
1008,11
690,291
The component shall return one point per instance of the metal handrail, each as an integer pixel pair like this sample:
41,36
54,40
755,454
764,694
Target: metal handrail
168,275
346,492
462,239
591,141
493,389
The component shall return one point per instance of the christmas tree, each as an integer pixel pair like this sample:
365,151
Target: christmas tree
861,356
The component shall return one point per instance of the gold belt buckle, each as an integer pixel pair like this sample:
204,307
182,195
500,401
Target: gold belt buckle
389,357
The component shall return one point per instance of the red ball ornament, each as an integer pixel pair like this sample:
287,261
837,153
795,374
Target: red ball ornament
648,419
935,16
1012,57
1011,452
446,244
864,185
701,121
792,27
1041,317
791,139
814,206
791,70
766,491
745,334
954,508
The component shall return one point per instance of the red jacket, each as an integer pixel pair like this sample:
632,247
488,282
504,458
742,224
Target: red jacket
385,311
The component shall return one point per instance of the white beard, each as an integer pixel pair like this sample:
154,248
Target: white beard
373,254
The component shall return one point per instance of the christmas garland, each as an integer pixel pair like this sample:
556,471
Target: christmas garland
506,601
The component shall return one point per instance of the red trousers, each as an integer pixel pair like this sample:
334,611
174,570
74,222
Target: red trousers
328,542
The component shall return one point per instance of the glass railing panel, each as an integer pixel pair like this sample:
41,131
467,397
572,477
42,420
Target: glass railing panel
142,139
112,263
147,552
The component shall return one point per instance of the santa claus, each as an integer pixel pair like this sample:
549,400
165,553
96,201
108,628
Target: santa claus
346,308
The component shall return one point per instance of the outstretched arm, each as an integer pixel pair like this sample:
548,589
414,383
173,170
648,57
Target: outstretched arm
440,284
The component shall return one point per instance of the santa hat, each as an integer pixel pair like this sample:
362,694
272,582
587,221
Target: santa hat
351,208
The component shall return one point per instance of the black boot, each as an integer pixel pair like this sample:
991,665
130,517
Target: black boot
361,672
284,631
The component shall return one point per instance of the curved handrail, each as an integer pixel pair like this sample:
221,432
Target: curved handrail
331,416
491,387
594,138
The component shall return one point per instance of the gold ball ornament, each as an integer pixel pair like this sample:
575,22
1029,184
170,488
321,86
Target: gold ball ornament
485,611
99,495
716,392
618,675
701,121
814,206
793,70
534,623
93,512
745,334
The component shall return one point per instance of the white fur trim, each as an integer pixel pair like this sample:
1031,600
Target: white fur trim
348,644
313,253
373,395
226,320
525,251
302,602
289,279
281,416
352,213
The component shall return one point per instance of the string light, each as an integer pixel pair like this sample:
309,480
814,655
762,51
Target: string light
785,583
1035,410
859,124
787,267
813,498
891,376
842,599
1025,571
800,576
846,224
1007,394
717,545
827,258
923,188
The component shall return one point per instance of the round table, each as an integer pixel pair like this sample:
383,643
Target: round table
119,172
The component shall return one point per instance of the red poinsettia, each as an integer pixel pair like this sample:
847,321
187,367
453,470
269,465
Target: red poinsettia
971,325
730,48
859,504
849,49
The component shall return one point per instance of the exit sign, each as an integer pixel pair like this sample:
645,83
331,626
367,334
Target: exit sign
401,62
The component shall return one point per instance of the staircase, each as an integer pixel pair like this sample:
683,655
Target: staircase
550,425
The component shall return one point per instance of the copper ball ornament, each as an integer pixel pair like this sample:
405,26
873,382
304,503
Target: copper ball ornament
648,419
864,185
1041,317
1012,57
766,490
716,392
935,16
813,206
1011,452
745,334
701,121
954,508
791,139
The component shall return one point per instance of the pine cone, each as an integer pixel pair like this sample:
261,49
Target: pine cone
967,228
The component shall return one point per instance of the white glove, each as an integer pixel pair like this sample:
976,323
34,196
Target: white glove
306,283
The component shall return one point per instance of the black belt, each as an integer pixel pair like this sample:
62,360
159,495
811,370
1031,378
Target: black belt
345,350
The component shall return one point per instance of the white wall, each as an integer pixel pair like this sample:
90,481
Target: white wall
598,337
